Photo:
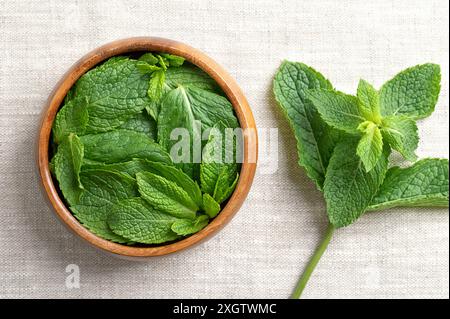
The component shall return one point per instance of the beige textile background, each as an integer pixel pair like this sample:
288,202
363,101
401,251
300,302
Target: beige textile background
398,253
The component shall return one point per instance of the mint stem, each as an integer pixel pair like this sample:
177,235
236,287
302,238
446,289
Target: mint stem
313,263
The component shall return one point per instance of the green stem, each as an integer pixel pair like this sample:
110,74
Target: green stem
313,263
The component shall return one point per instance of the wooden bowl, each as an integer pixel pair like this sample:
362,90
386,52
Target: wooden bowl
192,55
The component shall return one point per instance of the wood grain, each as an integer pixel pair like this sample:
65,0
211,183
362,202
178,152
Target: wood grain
228,85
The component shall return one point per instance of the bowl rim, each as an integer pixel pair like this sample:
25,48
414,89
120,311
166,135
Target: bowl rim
198,58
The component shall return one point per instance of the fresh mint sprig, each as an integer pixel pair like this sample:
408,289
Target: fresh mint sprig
344,143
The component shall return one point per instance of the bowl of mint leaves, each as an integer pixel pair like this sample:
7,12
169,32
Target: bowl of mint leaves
141,148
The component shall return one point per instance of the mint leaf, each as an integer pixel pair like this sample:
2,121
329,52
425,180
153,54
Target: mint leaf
186,227
210,206
164,63
103,189
423,184
190,75
141,123
166,195
186,75
177,176
155,105
71,118
402,135
115,90
115,59
67,165
170,173
348,188
209,107
369,101
153,110
315,139
156,85
145,67
174,60
337,109
224,188
149,58
138,221
413,92
122,146
218,164
130,168
177,116
370,146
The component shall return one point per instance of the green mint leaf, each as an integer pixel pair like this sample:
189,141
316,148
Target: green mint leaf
71,118
149,58
115,90
218,169
177,176
170,173
423,184
209,107
145,67
413,92
174,60
402,135
166,195
370,146
176,114
186,75
186,107
67,165
210,206
186,227
337,109
138,221
122,146
369,101
153,110
348,188
156,85
224,188
141,123
190,75
103,189
164,63
130,168
154,106
315,139
115,59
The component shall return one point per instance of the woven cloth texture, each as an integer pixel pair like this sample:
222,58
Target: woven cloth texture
400,253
